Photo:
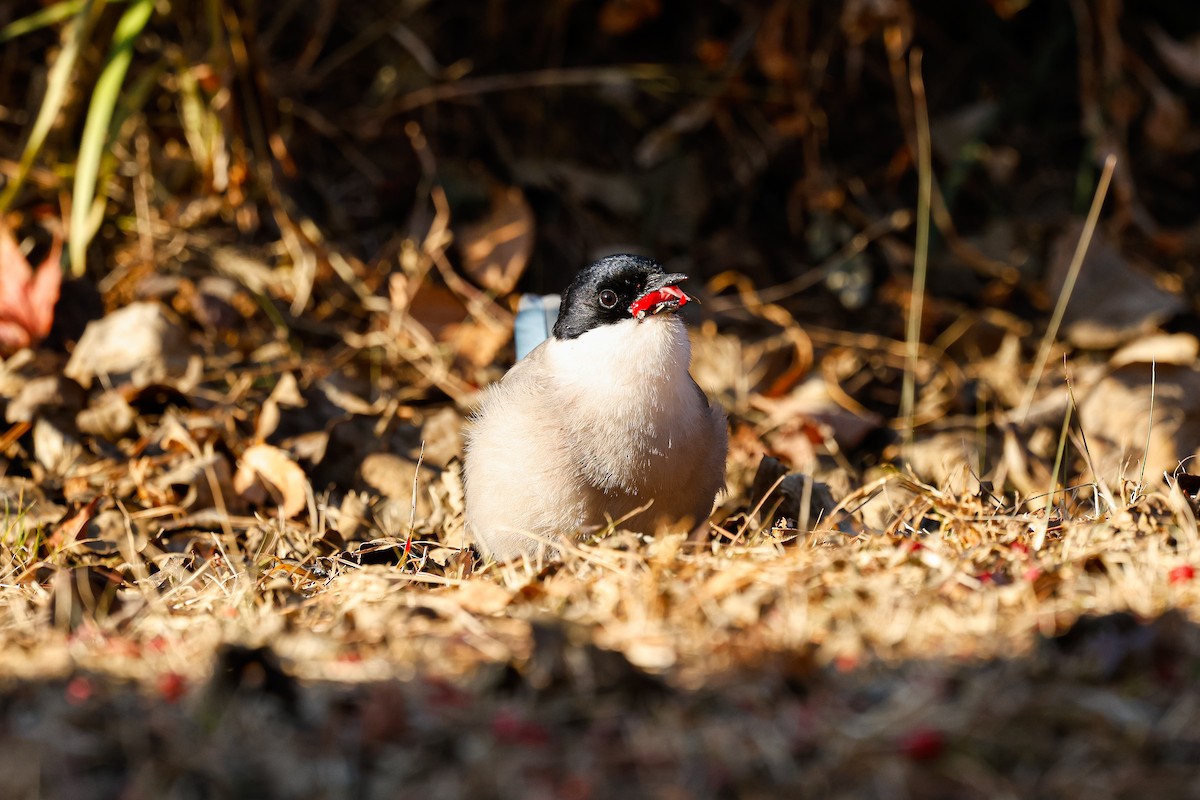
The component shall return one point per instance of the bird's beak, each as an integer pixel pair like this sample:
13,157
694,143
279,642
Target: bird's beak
662,295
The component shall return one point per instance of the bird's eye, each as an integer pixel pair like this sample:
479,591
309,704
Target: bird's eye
608,298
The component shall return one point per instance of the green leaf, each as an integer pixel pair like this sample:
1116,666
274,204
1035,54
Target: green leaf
56,93
96,128
40,19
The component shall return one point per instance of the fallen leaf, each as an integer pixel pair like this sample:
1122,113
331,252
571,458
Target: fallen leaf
263,466
109,416
69,529
26,501
444,315
141,343
56,448
48,395
286,394
478,344
619,17
1122,435
1181,349
480,597
27,296
806,416
1113,301
497,248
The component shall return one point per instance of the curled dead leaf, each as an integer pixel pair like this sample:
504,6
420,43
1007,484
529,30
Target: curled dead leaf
1181,349
265,469
286,394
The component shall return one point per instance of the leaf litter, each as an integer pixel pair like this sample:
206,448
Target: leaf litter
234,561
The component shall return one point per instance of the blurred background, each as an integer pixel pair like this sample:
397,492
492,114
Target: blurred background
330,141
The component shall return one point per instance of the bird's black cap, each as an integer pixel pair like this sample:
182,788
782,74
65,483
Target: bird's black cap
603,292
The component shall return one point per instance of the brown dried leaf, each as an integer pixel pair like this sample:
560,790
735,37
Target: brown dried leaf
478,344
286,394
432,305
1181,349
140,343
263,466
48,395
26,504
619,17
481,597
1122,435
69,529
1114,301
56,448
27,296
109,416
811,404
445,316
497,248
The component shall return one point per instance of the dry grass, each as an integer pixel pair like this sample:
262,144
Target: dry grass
897,658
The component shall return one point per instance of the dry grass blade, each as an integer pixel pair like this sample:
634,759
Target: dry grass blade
539,79
1043,527
1064,297
921,254
1141,484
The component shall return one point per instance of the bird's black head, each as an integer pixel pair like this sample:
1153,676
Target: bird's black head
613,289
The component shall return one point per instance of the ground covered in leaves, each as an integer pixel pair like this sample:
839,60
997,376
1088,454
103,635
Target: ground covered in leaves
957,553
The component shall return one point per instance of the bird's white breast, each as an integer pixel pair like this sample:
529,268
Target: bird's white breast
620,355
628,400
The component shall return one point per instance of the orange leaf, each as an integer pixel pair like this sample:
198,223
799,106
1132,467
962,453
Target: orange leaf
27,296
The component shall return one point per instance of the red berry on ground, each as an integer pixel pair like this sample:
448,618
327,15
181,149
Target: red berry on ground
923,744
1182,574
79,690
171,686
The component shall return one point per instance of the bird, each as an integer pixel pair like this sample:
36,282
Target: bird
600,423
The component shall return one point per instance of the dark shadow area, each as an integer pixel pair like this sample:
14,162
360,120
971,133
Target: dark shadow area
1108,708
